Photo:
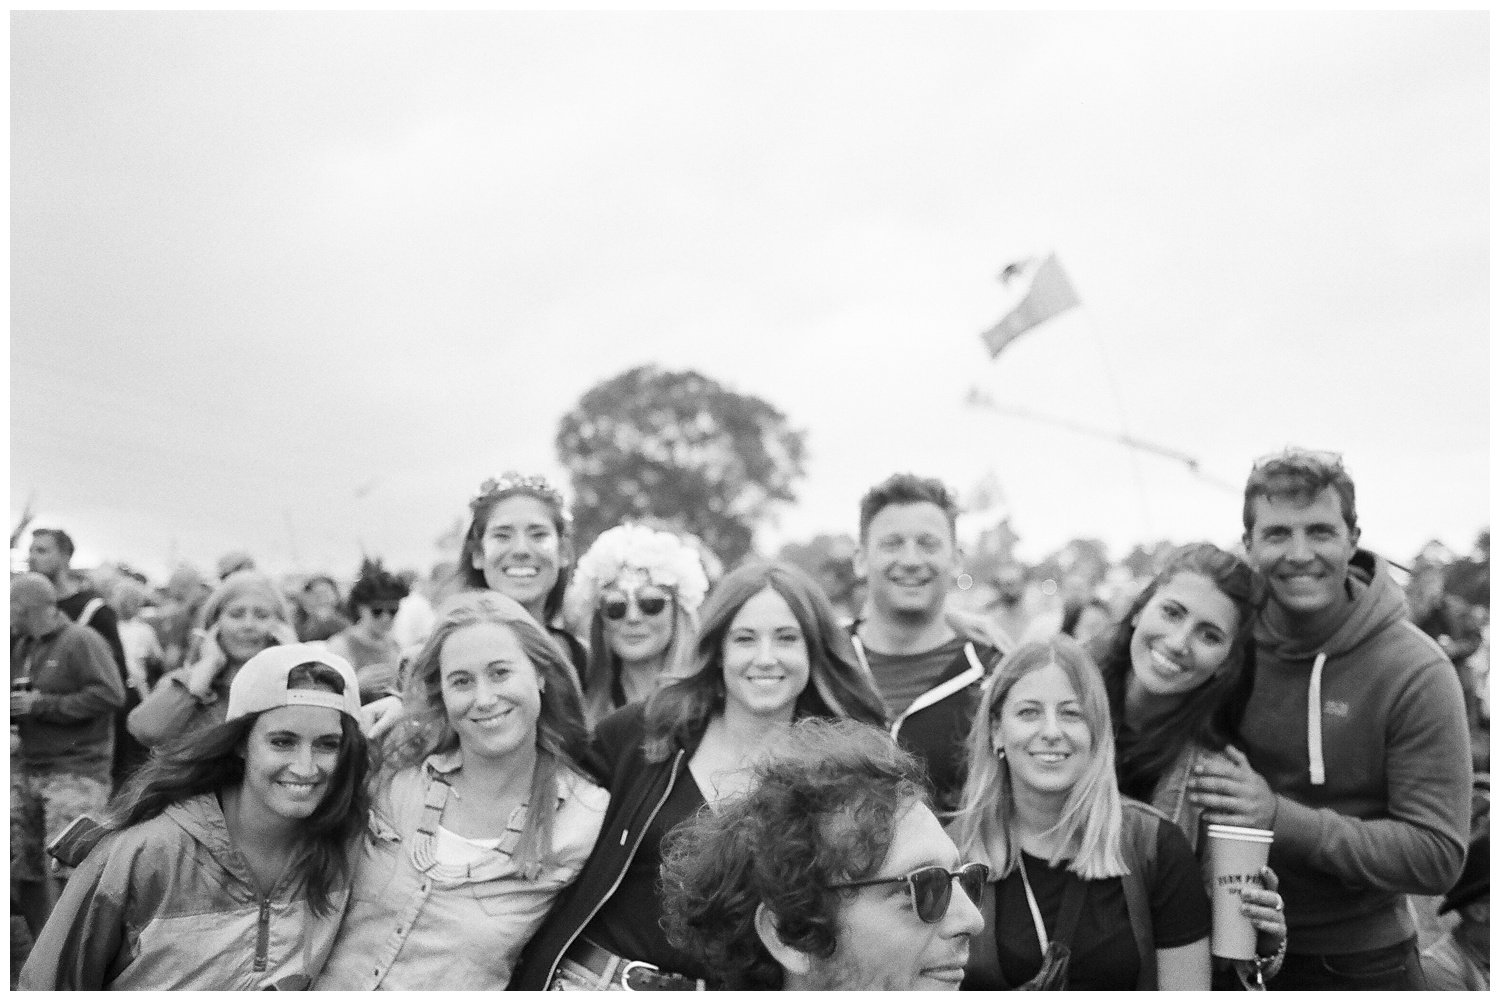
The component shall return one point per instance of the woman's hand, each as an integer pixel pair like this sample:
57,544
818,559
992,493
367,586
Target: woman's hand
210,663
1267,912
281,633
379,717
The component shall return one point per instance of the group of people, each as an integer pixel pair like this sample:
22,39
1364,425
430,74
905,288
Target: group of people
721,785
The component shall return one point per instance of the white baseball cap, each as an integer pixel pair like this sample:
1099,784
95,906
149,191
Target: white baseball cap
261,683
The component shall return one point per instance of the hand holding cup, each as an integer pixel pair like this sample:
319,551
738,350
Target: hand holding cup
1266,911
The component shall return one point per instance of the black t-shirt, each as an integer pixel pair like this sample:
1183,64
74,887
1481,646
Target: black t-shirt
1104,955
629,923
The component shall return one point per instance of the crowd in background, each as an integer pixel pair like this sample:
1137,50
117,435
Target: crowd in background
602,610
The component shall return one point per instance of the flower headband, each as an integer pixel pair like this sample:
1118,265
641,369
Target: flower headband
510,482
632,551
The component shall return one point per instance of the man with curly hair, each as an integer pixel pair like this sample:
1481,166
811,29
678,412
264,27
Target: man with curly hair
832,873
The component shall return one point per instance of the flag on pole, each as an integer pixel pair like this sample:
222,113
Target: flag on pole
1048,292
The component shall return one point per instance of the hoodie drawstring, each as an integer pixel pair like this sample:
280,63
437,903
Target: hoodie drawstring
1315,722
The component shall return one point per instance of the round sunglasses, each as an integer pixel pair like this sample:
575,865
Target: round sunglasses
932,887
616,609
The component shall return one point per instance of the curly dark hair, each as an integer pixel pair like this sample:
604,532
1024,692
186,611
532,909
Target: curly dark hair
1210,714
906,488
822,811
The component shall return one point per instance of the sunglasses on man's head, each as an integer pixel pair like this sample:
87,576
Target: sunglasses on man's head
1305,456
932,887
617,608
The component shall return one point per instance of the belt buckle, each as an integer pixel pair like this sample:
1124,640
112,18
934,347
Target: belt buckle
632,966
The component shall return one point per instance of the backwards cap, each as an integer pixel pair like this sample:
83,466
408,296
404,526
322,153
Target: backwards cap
260,684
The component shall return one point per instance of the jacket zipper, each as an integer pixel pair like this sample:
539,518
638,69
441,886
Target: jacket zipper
671,781
263,935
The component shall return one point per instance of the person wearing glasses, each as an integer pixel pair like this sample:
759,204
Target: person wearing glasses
832,873
639,589
1356,749
367,644
1177,670
1090,890
769,651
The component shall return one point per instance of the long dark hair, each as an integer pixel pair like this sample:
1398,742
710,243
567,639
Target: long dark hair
1210,714
211,761
481,507
837,686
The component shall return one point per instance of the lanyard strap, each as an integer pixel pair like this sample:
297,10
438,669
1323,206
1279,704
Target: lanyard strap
1036,912
1067,918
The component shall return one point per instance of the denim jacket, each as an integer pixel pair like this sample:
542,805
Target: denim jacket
415,923
1171,793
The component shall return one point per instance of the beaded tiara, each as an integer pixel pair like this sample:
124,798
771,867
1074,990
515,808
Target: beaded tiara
511,482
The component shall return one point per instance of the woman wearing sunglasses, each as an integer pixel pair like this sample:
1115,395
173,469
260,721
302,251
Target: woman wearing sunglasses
481,817
367,644
1178,672
770,651
639,589
1092,891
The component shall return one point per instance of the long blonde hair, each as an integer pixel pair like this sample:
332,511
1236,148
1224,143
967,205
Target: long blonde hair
1091,817
560,734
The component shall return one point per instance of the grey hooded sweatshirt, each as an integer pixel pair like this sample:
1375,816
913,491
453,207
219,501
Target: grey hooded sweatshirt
1363,740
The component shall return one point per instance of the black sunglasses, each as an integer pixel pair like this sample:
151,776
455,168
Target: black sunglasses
376,611
617,608
932,887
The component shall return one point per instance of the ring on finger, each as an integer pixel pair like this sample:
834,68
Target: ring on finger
1278,902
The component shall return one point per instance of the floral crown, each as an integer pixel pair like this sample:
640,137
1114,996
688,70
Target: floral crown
627,551
510,482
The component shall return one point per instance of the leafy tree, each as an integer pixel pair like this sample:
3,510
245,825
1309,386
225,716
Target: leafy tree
829,560
682,447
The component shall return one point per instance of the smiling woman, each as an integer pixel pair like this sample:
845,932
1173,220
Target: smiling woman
224,865
242,617
1093,891
519,543
482,818
639,589
769,651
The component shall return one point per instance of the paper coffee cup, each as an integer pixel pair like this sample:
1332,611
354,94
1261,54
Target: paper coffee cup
1235,857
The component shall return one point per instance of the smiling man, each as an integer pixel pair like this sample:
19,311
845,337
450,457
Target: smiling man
1356,749
832,873
927,662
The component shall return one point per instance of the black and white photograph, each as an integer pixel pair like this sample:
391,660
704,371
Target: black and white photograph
749,500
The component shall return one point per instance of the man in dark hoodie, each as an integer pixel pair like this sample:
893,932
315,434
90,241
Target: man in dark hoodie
1356,753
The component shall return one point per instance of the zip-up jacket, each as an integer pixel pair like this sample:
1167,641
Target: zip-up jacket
935,727
1373,789
637,790
169,904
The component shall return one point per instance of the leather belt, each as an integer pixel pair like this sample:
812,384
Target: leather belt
631,974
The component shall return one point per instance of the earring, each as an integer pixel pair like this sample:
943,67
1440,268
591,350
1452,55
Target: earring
999,750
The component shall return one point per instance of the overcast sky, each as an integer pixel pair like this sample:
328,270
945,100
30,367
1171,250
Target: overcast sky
296,283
